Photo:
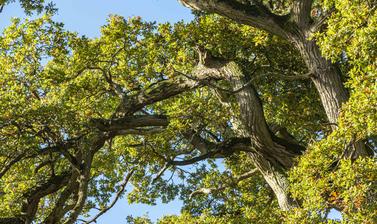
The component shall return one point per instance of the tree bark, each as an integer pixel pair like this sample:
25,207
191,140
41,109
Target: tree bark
271,155
325,75
276,179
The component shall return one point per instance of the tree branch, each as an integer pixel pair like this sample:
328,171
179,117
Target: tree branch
122,188
232,182
10,164
130,122
255,14
58,211
253,119
82,192
139,131
301,12
192,160
33,196
213,150
162,90
161,172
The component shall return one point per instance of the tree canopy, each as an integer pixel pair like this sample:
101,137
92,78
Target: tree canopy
254,112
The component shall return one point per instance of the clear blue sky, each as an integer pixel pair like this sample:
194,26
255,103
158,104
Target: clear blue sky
86,17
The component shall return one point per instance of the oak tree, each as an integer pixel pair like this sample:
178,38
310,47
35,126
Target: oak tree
283,93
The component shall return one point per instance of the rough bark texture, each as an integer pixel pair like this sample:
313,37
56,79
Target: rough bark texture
276,179
256,14
325,75
271,158
272,155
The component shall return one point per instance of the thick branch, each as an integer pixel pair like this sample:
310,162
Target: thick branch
193,160
301,12
253,119
162,90
252,115
34,195
58,211
256,14
130,122
82,192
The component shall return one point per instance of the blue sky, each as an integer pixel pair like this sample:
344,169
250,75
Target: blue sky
86,17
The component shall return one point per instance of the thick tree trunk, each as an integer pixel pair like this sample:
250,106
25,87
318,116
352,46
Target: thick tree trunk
325,75
271,156
273,173
276,179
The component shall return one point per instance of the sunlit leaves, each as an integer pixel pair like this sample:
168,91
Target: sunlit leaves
55,82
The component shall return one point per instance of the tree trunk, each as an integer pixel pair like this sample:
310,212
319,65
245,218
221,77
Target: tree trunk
276,179
325,75
272,157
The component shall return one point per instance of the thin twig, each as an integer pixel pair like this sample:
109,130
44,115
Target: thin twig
234,181
117,196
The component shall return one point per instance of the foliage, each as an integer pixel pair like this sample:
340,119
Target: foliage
31,6
330,180
57,86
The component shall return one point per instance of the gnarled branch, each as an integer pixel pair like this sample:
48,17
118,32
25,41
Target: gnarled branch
254,14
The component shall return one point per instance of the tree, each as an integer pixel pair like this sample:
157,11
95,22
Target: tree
296,22
30,6
143,101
